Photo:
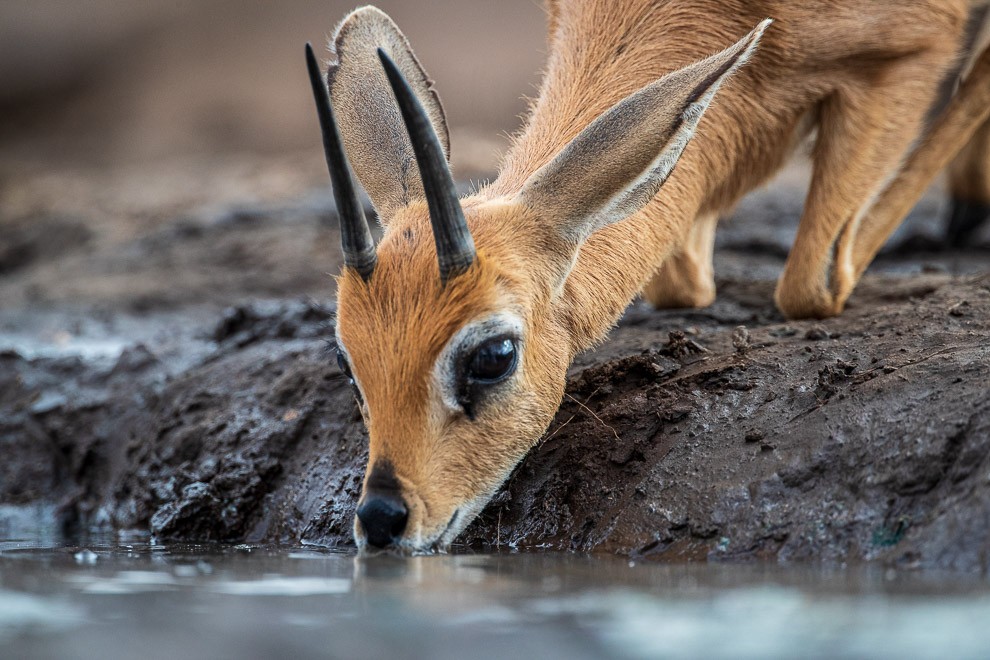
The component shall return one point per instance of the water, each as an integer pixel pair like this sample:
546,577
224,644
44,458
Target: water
137,600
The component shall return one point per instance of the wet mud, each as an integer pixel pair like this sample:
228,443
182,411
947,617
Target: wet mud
170,369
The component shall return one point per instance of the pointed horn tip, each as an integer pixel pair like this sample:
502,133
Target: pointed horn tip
392,71
311,64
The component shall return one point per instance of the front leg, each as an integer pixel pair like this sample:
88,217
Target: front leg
687,278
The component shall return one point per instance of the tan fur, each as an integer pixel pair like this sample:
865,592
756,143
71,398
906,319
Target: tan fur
868,75
558,251
957,125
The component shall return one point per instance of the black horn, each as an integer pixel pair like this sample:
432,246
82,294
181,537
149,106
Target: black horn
455,247
355,236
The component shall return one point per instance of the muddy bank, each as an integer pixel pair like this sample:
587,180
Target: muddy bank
868,438
684,437
131,398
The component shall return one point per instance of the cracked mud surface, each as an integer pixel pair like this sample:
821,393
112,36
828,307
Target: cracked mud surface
164,366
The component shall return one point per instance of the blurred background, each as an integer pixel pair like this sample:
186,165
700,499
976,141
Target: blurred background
161,154
166,153
110,83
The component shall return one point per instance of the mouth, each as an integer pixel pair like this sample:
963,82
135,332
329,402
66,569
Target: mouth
440,545
410,548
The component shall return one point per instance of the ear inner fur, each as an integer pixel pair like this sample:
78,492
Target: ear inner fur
618,163
370,124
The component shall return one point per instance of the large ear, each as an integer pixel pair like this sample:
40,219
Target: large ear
371,126
616,165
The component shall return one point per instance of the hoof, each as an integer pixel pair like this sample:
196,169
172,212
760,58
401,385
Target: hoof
682,299
804,304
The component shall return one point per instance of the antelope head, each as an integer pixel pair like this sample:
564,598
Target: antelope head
458,329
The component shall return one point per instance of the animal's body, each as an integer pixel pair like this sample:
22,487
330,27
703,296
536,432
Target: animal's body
589,208
863,74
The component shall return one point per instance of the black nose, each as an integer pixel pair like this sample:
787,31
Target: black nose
383,517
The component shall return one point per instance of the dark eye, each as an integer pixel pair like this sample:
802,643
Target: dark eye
493,361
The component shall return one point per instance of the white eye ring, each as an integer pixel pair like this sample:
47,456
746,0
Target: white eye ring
466,341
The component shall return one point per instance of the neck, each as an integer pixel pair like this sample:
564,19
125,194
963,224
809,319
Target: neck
598,55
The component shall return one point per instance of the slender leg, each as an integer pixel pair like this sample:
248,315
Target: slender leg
865,132
686,278
952,131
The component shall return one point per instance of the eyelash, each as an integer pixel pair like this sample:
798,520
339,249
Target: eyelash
345,368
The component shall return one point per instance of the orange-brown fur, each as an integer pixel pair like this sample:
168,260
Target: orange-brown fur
405,317
862,74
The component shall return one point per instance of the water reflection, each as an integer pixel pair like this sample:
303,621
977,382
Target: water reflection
112,600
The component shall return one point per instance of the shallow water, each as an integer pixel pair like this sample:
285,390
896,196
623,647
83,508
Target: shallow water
139,600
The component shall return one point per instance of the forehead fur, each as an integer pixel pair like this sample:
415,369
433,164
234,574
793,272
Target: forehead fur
395,324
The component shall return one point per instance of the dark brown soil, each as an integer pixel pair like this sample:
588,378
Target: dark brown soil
132,399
